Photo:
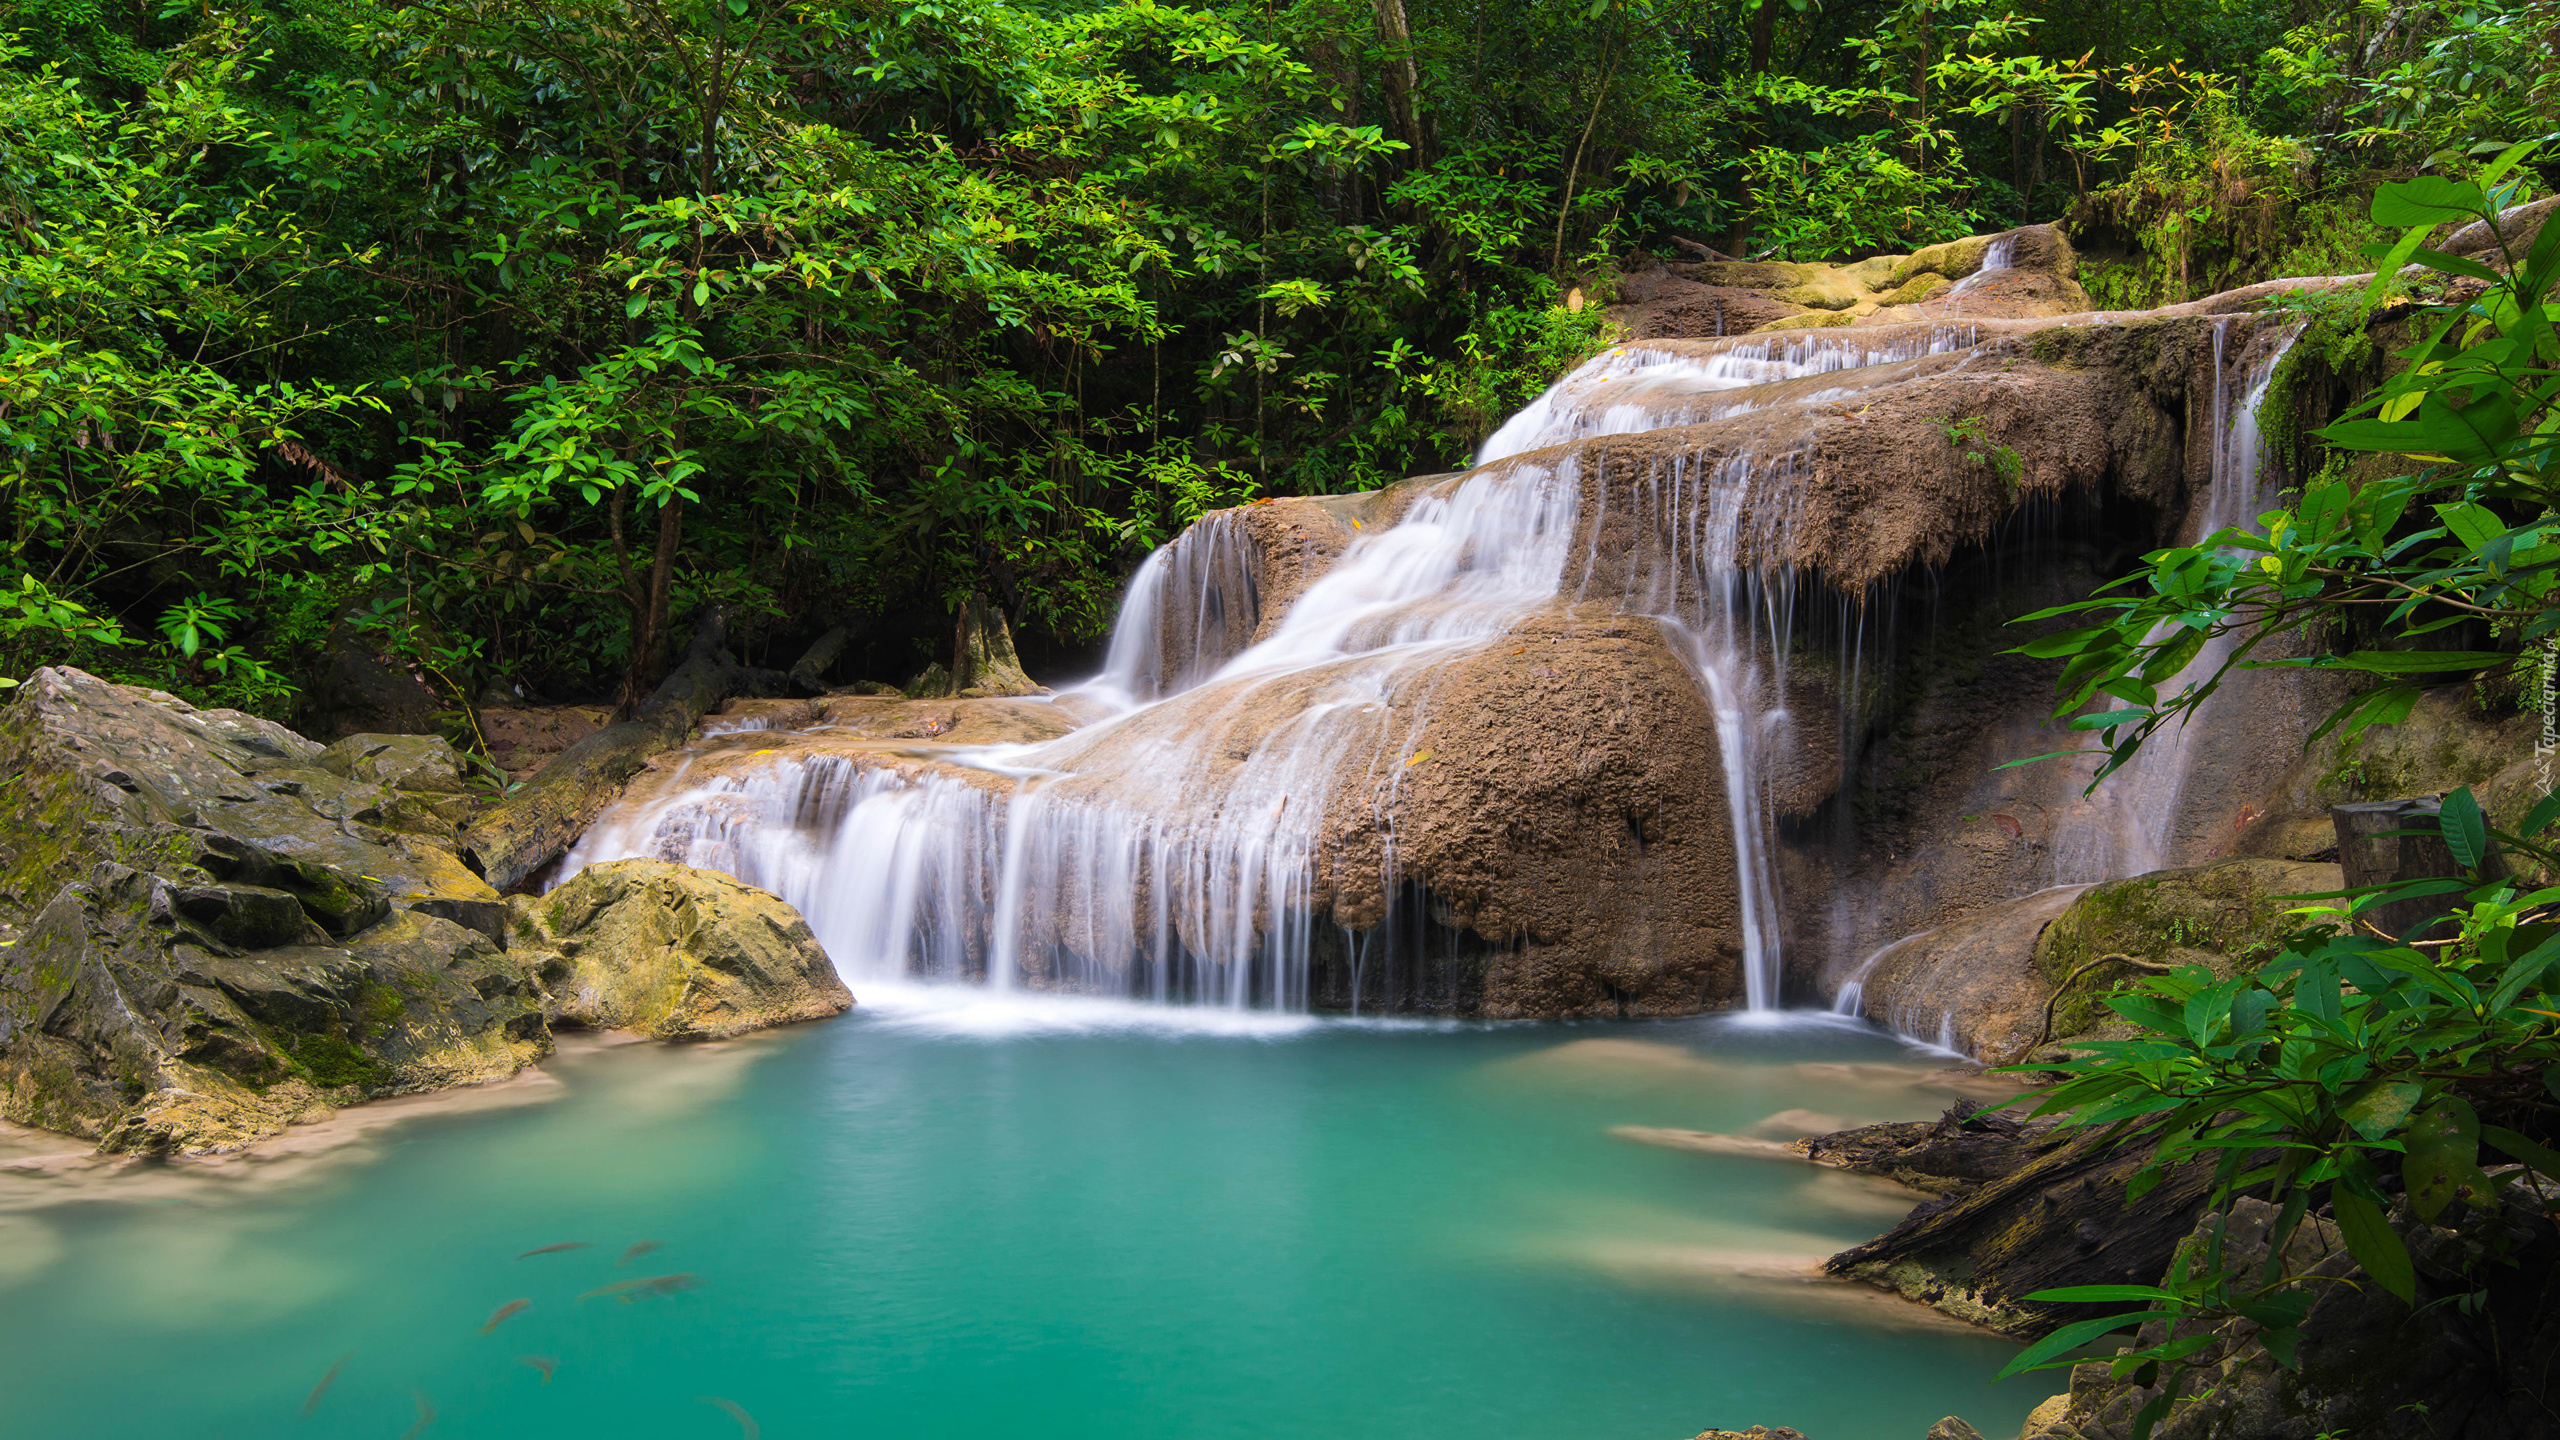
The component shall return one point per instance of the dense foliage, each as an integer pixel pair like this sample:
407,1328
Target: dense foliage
502,333
2365,1070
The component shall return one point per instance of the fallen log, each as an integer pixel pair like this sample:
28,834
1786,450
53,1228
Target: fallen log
2034,1206
808,674
545,815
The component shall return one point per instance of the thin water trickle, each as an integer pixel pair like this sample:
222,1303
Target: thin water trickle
2139,824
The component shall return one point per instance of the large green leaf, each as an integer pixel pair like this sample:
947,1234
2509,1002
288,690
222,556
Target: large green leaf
2443,1161
2427,200
2373,1243
2072,1337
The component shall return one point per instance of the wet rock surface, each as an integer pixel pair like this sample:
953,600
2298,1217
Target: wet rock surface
227,928
2016,274
675,953
2022,1206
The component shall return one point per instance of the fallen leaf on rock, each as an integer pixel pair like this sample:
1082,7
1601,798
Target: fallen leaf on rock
2010,824
1418,757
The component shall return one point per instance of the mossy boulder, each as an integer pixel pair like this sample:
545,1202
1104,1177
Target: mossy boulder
676,953
229,927
2228,917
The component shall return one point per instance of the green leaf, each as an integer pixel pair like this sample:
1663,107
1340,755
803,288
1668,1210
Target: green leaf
2373,1243
2466,830
2098,1294
2384,1109
2544,1161
2443,1161
2427,200
2539,818
2417,662
2071,1337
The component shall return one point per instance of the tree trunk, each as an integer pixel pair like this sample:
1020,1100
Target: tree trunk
2022,1208
1764,34
809,672
1403,79
2388,841
546,814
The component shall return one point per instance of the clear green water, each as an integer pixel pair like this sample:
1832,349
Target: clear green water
997,1222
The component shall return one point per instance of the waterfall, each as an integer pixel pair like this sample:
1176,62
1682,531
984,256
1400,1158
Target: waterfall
1188,843
1633,388
2001,254
1191,607
1167,852
2135,827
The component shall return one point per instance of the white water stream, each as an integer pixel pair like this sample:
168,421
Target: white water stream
2140,824
1172,850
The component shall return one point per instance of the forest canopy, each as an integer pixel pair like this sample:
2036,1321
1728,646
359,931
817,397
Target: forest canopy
499,336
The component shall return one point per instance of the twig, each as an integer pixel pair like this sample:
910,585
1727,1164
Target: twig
2044,1031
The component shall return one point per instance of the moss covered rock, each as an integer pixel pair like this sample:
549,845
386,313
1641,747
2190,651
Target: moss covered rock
677,953
2228,916
228,927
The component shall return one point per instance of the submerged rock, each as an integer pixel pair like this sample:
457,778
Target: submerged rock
676,953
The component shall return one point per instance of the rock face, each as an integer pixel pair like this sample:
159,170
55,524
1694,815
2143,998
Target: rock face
229,928
2370,1366
675,953
1971,986
2017,274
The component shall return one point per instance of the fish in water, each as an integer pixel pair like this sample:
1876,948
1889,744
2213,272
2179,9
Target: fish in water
737,1412
636,1251
630,1290
426,1417
544,1363
313,1403
501,1313
553,1249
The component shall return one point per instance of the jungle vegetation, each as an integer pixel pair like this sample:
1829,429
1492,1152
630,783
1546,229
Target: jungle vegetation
502,334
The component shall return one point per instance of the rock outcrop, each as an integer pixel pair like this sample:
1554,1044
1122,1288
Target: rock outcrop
2369,1365
2016,274
228,928
674,953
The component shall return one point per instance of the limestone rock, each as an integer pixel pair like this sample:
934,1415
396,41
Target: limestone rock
1971,985
675,952
229,927
2228,917
362,690
1939,282
1756,1432
525,738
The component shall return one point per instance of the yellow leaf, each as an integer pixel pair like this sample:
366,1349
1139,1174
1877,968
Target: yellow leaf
1418,757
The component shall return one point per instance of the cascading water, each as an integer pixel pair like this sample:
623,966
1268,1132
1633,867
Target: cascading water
2138,827
1168,852
1634,388
2001,254
1191,607
1183,845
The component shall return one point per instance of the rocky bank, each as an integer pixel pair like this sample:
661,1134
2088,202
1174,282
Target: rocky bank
218,928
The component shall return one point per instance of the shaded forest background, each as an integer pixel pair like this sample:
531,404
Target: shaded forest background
497,336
